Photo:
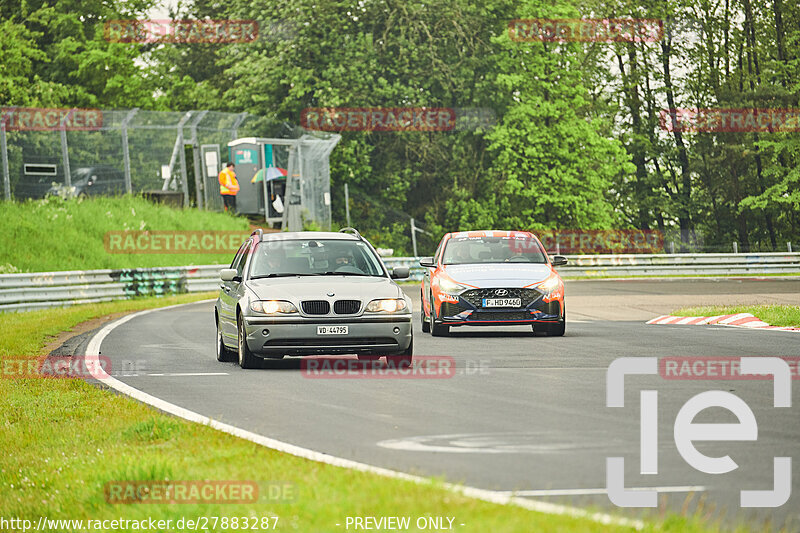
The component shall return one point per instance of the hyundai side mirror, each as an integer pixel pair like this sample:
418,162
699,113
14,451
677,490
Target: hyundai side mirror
427,262
400,273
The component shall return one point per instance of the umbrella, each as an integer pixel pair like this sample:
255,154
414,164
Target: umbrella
271,174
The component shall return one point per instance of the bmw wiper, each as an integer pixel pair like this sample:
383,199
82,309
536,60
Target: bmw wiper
279,275
329,273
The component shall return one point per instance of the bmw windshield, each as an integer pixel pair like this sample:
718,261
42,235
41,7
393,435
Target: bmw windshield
315,257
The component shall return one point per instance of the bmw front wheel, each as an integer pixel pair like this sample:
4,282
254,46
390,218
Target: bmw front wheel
223,353
246,357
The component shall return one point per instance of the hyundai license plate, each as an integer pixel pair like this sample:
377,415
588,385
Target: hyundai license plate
502,302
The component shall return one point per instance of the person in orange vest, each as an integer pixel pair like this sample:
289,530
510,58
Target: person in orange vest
228,187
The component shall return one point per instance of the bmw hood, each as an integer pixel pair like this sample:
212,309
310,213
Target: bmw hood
488,275
297,288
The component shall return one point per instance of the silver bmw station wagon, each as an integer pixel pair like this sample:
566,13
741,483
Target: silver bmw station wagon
311,293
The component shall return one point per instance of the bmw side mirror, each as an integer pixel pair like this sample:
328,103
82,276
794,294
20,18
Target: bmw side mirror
400,272
558,260
228,274
427,262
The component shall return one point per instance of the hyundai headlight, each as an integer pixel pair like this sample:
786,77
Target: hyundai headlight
548,285
272,307
389,305
450,286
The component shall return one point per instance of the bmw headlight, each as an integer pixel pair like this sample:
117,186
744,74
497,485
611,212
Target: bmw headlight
272,307
450,286
389,305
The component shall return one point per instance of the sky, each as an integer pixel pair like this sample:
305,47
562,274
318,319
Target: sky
162,10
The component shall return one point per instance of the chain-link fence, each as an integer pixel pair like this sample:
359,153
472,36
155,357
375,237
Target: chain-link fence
177,155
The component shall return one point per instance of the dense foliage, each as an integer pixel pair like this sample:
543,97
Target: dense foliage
578,141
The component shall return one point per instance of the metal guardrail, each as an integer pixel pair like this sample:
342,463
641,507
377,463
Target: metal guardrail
681,265
643,265
39,290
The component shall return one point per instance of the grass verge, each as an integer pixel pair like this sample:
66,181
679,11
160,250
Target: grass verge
65,439
55,234
774,315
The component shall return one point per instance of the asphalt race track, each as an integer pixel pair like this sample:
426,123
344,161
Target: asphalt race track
522,413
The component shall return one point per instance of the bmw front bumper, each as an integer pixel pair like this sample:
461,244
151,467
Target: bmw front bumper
297,335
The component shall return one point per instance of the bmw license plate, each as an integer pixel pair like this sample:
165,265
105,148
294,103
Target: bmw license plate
502,302
332,330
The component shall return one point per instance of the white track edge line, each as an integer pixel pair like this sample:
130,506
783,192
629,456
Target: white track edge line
599,491
497,497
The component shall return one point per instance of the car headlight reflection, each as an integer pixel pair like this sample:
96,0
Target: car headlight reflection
272,307
552,289
548,285
392,305
451,287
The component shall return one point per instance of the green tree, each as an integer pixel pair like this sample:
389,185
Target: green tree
58,52
553,167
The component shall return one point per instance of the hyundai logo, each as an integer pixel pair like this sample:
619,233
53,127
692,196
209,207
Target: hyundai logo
501,292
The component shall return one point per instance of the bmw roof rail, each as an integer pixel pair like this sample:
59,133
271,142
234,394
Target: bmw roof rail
260,233
352,231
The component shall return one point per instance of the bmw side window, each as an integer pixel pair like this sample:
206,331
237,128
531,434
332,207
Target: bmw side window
438,254
238,256
243,260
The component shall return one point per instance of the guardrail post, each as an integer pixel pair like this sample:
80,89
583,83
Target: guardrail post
789,246
735,247
671,247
